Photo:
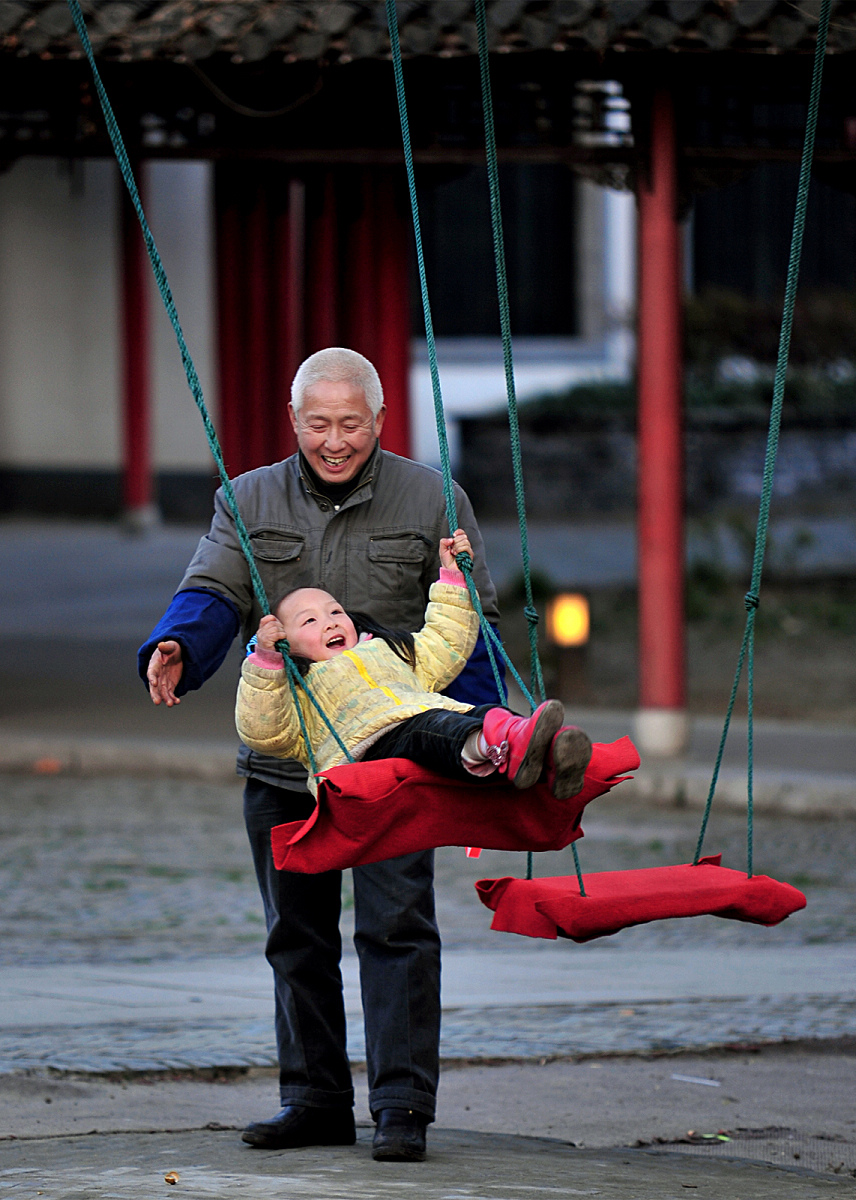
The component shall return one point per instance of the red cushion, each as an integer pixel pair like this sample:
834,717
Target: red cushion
549,908
370,811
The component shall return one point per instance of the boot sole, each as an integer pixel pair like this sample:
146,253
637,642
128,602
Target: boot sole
546,727
398,1154
571,756
296,1142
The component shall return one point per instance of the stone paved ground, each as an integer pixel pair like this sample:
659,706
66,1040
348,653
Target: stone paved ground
461,1166
521,1032
138,870
145,872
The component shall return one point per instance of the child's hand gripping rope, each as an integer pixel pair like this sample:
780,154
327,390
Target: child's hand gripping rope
270,632
451,547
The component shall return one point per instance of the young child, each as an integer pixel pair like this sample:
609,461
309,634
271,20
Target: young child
380,690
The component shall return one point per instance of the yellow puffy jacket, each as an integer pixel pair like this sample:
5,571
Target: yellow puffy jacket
363,691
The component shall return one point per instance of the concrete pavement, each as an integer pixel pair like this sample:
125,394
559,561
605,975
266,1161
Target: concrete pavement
462,1165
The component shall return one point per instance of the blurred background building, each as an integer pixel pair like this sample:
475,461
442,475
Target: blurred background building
265,136
221,230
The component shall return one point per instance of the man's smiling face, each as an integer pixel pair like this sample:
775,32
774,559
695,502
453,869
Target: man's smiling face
336,430
315,624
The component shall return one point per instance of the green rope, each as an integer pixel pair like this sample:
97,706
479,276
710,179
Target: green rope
536,677
530,611
752,599
295,680
465,562
491,637
578,868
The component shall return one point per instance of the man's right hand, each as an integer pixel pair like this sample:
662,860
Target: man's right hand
164,673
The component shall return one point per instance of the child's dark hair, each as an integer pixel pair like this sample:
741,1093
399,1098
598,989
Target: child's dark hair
400,641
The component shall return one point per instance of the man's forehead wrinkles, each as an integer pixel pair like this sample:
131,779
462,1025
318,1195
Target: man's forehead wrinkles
355,415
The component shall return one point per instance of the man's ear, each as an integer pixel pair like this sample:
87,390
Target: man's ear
379,420
293,417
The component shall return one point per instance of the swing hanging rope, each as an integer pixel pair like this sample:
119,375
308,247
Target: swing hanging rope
531,613
492,640
295,680
752,598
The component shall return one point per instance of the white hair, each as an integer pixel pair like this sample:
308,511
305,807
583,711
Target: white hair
338,365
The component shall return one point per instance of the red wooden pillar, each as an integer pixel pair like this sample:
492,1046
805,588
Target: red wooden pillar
323,272
360,320
137,483
259,433
392,341
662,725
289,288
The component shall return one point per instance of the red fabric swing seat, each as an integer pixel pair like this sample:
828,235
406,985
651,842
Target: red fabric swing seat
370,811
553,907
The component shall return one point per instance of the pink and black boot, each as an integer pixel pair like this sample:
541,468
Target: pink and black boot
517,745
567,759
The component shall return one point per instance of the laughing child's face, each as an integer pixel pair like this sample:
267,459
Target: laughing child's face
315,624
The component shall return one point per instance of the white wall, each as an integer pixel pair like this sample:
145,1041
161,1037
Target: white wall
58,315
60,385
179,204
620,260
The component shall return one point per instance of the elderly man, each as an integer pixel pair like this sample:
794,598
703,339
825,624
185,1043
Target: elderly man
363,524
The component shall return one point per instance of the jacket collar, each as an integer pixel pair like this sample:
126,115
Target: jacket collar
361,489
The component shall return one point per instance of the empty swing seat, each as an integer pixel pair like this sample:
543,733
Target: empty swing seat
370,811
553,907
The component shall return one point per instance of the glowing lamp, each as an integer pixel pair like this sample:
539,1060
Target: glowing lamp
568,619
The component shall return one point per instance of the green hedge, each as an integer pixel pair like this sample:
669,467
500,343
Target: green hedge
719,323
719,326
812,401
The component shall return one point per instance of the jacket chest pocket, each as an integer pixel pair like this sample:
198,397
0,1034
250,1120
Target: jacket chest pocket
280,559
396,566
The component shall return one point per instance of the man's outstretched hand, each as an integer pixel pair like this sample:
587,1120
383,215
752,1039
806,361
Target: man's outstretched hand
164,673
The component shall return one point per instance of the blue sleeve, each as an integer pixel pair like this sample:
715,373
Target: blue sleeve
204,623
476,684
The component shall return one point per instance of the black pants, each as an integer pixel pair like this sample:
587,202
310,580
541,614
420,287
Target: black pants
433,739
398,945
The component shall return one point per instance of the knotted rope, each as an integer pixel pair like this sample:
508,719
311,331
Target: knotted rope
295,680
752,598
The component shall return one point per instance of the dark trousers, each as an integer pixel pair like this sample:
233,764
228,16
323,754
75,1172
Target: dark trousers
398,945
433,739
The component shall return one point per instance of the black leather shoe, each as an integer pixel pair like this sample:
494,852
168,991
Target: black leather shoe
400,1136
296,1125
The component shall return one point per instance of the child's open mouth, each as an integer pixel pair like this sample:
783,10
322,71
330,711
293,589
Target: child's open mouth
336,643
